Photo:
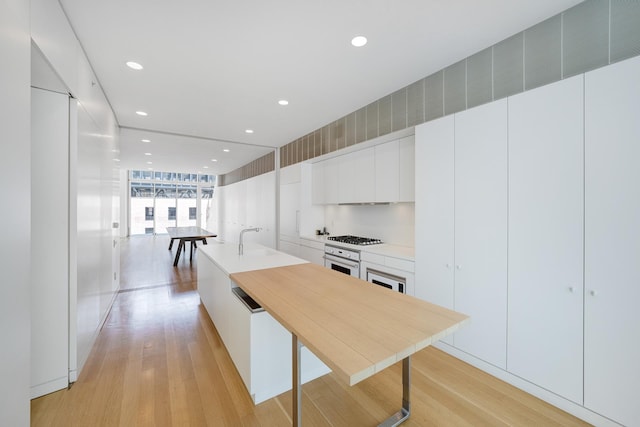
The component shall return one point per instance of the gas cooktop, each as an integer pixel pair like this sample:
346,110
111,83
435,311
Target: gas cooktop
355,240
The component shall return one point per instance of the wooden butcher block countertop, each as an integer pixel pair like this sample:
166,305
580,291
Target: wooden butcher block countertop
356,328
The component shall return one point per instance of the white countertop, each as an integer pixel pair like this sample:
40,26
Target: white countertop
385,249
255,257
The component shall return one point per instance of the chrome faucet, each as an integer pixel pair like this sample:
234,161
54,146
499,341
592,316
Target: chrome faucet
241,245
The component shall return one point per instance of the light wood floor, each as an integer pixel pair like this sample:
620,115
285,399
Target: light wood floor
159,361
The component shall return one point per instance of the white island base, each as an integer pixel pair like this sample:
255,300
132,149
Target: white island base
258,345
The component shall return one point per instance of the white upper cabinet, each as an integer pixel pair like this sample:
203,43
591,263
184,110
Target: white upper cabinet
383,173
612,241
387,172
331,181
407,176
317,183
481,230
546,237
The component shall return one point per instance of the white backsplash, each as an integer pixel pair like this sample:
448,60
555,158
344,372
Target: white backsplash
393,224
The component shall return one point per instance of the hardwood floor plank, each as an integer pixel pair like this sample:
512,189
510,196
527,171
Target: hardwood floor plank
159,361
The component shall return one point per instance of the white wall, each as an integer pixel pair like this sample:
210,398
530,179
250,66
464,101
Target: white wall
94,179
15,47
393,224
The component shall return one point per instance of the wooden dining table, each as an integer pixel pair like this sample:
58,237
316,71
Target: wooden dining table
187,234
354,327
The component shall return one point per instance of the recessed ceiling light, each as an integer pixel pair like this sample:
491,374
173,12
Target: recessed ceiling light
226,150
145,140
134,65
116,160
147,154
214,160
205,167
141,113
283,102
149,163
359,41
150,169
248,130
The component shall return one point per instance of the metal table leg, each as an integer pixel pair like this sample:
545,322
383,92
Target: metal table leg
402,415
295,378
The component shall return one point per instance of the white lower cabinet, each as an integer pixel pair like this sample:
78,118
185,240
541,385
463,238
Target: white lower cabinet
312,251
612,242
546,237
258,345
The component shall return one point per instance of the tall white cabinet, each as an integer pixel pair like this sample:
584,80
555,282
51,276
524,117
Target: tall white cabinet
481,230
461,224
612,241
572,258
434,211
49,244
546,236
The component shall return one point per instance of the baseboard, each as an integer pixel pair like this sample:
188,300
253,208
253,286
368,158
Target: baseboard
49,387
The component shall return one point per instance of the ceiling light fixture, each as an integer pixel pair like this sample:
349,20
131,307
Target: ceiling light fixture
147,154
116,160
141,113
248,131
205,167
214,160
226,150
149,163
134,65
145,140
359,41
283,102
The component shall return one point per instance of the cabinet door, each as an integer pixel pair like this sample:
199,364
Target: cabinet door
612,241
434,211
290,209
546,237
406,175
387,171
317,183
331,181
481,230
347,175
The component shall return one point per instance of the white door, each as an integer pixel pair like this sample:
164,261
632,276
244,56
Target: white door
434,214
612,241
546,237
49,241
481,230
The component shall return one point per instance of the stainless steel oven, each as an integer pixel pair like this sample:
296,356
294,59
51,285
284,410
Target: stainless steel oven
343,260
390,281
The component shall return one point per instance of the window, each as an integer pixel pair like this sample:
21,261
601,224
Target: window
161,199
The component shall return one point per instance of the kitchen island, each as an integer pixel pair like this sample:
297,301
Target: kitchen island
354,327
258,345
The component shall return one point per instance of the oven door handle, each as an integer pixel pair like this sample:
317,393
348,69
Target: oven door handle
339,261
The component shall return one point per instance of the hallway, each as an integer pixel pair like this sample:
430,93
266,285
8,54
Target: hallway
159,361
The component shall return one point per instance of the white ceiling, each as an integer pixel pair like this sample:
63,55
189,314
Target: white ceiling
215,68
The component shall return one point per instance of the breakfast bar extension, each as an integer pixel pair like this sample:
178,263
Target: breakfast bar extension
355,328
